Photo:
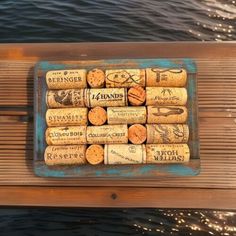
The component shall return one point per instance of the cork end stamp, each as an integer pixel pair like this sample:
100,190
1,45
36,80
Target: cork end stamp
95,154
125,78
66,79
166,96
97,116
137,134
166,77
167,153
166,114
96,78
65,155
136,96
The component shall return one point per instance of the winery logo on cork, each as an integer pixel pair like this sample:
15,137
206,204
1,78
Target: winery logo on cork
167,111
168,155
161,76
64,76
113,96
123,77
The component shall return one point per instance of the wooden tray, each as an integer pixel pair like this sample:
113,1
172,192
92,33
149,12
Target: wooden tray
115,171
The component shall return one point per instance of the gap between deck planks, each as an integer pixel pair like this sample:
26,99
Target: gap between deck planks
217,124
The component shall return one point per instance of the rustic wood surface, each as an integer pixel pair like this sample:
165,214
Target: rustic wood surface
215,187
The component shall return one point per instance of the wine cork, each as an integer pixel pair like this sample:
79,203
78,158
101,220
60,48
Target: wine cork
95,154
65,98
125,78
96,78
66,79
136,96
107,134
65,155
137,134
97,116
106,97
67,116
167,153
66,135
166,114
165,96
167,133
166,77
126,115
124,154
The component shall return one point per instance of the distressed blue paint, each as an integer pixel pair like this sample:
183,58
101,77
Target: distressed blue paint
190,65
147,168
47,172
45,65
181,170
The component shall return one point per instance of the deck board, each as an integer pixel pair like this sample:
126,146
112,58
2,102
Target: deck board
217,127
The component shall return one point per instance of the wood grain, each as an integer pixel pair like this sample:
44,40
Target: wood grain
116,197
214,188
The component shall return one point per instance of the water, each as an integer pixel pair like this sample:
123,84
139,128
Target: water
108,222
110,20
117,20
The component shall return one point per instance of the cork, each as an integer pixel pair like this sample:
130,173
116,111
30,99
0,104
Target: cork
167,133
97,116
67,116
166,114
96,78
66,79
166,96
65,98
66,135
167,153
125,78
107,134
65,155
106,97
124,154
95,154
165,77
137,134
126,115
136,96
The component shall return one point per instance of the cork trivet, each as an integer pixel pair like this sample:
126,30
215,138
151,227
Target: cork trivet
106,97
106,134
165,77
97,116
125,78
136,96
95,154
66,79
96,78
67,116
166,114
167,153
165,96
137,134
66,135
65,98
167,133
115,154
126,115
65,155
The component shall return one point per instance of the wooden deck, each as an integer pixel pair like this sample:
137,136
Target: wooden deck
215,187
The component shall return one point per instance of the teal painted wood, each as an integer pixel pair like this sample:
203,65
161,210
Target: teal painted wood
115,171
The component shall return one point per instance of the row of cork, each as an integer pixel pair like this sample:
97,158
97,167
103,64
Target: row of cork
116,78
117,154
110,97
